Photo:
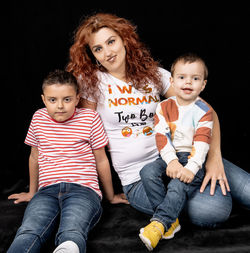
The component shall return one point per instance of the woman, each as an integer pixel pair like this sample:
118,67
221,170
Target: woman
123,83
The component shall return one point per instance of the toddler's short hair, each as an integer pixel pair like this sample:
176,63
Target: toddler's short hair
190,58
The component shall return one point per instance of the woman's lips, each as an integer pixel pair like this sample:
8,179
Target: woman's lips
111,59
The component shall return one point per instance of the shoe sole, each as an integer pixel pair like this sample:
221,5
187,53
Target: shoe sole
145,240
177,229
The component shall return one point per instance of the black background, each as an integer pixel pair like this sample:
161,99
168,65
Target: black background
38,34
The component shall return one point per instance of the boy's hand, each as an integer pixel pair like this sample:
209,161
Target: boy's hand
173,168
185,175
119,198
21,197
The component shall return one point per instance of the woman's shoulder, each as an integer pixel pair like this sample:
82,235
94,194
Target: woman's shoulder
103,77
164,72
165,78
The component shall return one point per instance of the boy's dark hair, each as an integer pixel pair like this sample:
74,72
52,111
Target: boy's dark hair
190,58
60,77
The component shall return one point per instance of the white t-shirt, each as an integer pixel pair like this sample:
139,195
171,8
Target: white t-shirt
128,118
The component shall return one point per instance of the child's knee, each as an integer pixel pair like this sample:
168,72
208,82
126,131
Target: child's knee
177,185
148,172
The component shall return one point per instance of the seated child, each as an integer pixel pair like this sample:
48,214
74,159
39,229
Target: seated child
67,156
183,126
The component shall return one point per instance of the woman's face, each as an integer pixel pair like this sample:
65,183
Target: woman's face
108,48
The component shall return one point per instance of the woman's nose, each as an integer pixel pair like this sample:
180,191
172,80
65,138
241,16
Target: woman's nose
107,51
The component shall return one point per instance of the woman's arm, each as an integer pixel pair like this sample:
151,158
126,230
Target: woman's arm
214,165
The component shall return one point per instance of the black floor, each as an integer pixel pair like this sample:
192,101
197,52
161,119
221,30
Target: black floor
117,232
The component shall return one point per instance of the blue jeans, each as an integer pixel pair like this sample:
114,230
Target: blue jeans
167,208
202,208
77,207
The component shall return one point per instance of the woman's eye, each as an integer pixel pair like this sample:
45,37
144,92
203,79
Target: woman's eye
110,42
97,49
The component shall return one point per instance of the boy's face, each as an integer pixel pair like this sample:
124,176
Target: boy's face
60,101
188,81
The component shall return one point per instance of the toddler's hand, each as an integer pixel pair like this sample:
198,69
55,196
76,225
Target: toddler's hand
185,175
173,168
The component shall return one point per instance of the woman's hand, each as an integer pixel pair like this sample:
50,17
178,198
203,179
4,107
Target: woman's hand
119,198
21,197
215,171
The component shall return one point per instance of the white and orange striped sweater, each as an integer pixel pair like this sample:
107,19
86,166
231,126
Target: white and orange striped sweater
184,129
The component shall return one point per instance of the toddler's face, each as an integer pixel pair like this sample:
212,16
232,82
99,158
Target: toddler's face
188,81
60,101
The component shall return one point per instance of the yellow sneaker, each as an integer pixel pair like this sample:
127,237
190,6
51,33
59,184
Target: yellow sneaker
151,234
175,227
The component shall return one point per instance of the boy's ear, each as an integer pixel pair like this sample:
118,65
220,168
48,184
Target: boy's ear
43,98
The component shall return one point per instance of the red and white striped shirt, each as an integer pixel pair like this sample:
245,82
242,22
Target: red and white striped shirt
65,148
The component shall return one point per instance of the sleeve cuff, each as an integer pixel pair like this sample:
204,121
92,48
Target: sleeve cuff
192,166
170,156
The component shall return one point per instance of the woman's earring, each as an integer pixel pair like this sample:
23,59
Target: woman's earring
98,63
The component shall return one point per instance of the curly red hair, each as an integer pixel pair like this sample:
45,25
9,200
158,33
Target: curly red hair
140,66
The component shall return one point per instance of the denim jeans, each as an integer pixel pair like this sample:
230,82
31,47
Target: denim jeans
78,209
202,209
167,208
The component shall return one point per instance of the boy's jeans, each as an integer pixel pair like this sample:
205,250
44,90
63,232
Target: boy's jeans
169,206
77,207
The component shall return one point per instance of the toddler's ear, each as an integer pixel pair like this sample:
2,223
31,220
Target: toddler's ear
204,85
171,80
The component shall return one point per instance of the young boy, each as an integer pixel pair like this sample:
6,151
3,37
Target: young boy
67,156
183,126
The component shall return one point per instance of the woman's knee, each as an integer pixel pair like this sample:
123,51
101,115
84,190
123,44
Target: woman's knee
209,211
244,199
239,182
